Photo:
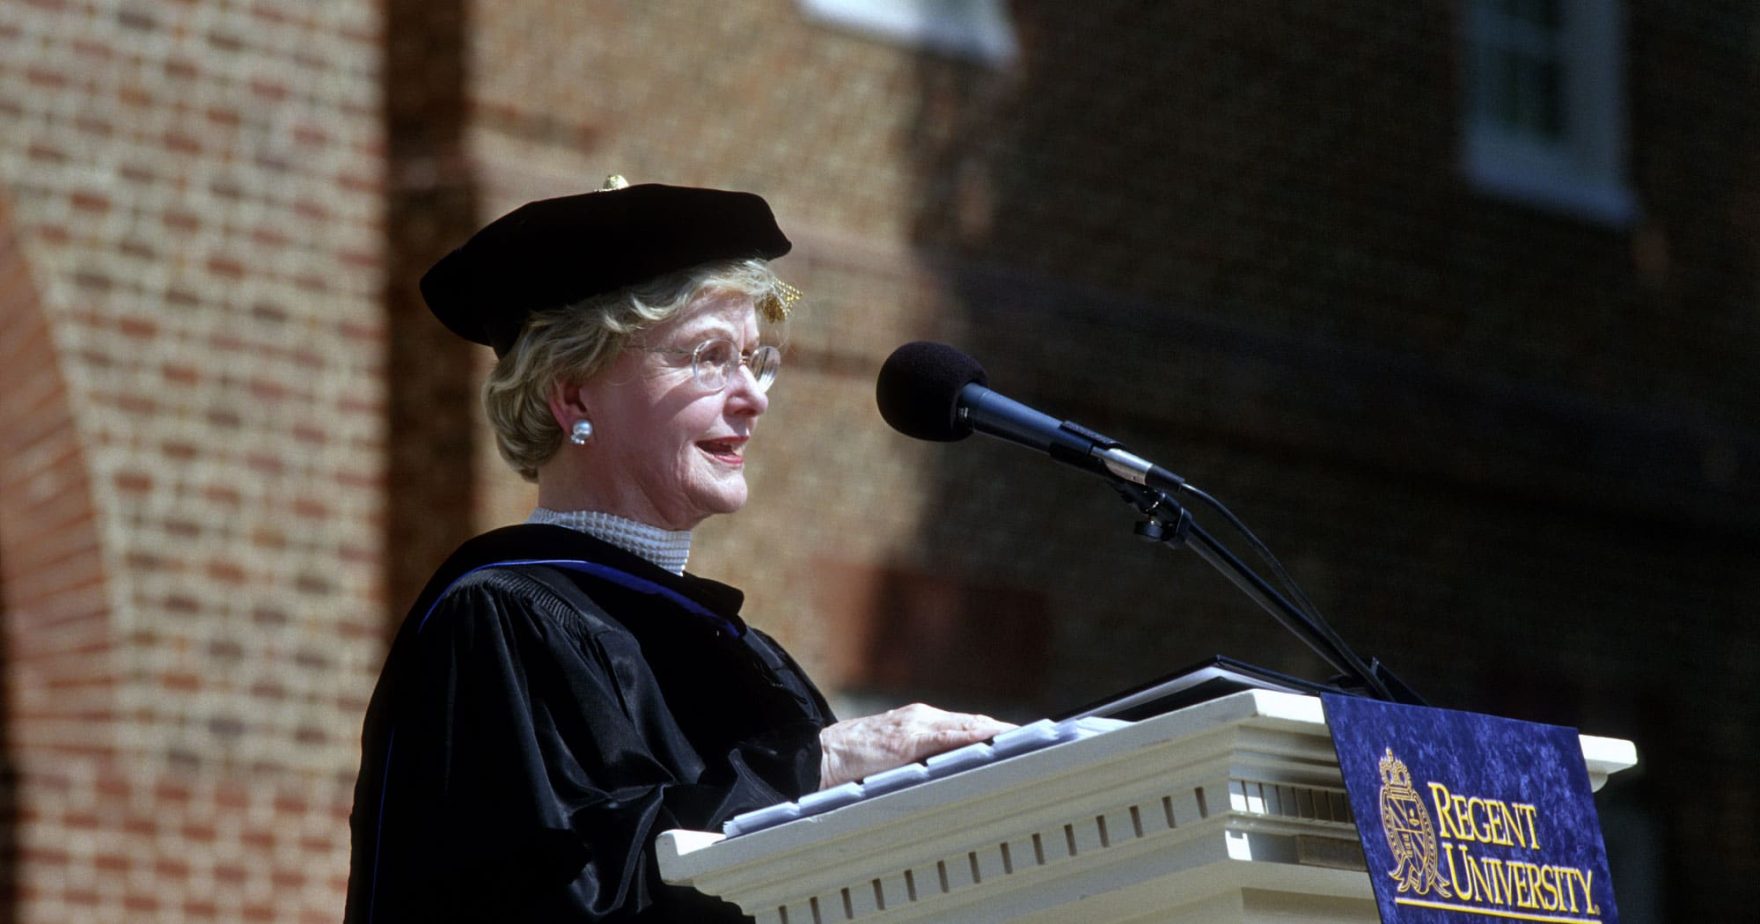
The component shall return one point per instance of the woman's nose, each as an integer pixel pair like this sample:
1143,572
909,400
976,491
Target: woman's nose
743,391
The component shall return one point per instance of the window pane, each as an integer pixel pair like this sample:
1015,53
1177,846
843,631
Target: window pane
1540,13
1523,136
1540,111
1515,57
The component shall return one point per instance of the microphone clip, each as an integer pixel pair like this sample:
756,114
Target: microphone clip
1165,520
1153,529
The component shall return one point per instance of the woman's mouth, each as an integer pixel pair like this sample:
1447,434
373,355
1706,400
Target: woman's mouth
728,451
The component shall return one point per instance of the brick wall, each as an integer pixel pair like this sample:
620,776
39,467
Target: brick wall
1510,452
194,452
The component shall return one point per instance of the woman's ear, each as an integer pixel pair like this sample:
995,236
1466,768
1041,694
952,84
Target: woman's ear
568,403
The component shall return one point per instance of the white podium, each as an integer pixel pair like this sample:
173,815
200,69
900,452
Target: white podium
1229,811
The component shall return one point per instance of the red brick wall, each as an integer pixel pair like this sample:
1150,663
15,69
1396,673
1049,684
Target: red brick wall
58,648
1509,451
193,451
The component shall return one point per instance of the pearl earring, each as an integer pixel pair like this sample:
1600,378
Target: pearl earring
580,432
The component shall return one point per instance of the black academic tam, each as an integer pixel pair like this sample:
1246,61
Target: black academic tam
555,252
550,705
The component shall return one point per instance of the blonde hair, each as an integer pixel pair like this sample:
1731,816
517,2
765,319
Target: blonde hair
575,342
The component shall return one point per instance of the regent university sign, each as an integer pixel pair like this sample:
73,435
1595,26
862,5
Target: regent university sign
1468,817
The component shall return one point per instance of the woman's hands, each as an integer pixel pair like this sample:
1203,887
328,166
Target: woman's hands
856,748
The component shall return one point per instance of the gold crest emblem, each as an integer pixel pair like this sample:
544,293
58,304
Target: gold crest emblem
1410,834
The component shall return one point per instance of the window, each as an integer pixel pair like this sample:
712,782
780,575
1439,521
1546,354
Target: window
1545,105
970,28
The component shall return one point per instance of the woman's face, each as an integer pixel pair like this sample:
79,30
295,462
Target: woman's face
665,450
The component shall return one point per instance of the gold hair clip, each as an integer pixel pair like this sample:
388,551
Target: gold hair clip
614,181
778,302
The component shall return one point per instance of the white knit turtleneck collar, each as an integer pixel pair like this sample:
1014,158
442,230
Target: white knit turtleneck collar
667,548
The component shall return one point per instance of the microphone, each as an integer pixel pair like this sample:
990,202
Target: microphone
931,391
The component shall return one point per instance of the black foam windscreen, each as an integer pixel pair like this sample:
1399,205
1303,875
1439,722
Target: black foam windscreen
918,390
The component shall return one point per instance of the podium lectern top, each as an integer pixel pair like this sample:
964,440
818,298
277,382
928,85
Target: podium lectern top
1231,810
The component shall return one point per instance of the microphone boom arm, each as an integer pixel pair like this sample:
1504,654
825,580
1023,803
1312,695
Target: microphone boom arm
1166,521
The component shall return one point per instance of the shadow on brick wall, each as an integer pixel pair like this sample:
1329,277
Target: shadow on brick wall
431,205
8,789
1239,243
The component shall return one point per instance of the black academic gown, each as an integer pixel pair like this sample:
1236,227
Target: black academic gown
536,726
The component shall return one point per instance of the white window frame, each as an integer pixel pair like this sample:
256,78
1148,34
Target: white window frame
977,29
1583,171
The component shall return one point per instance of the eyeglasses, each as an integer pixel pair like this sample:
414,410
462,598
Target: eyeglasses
714,363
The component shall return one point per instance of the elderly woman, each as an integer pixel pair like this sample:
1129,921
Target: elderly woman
563,690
